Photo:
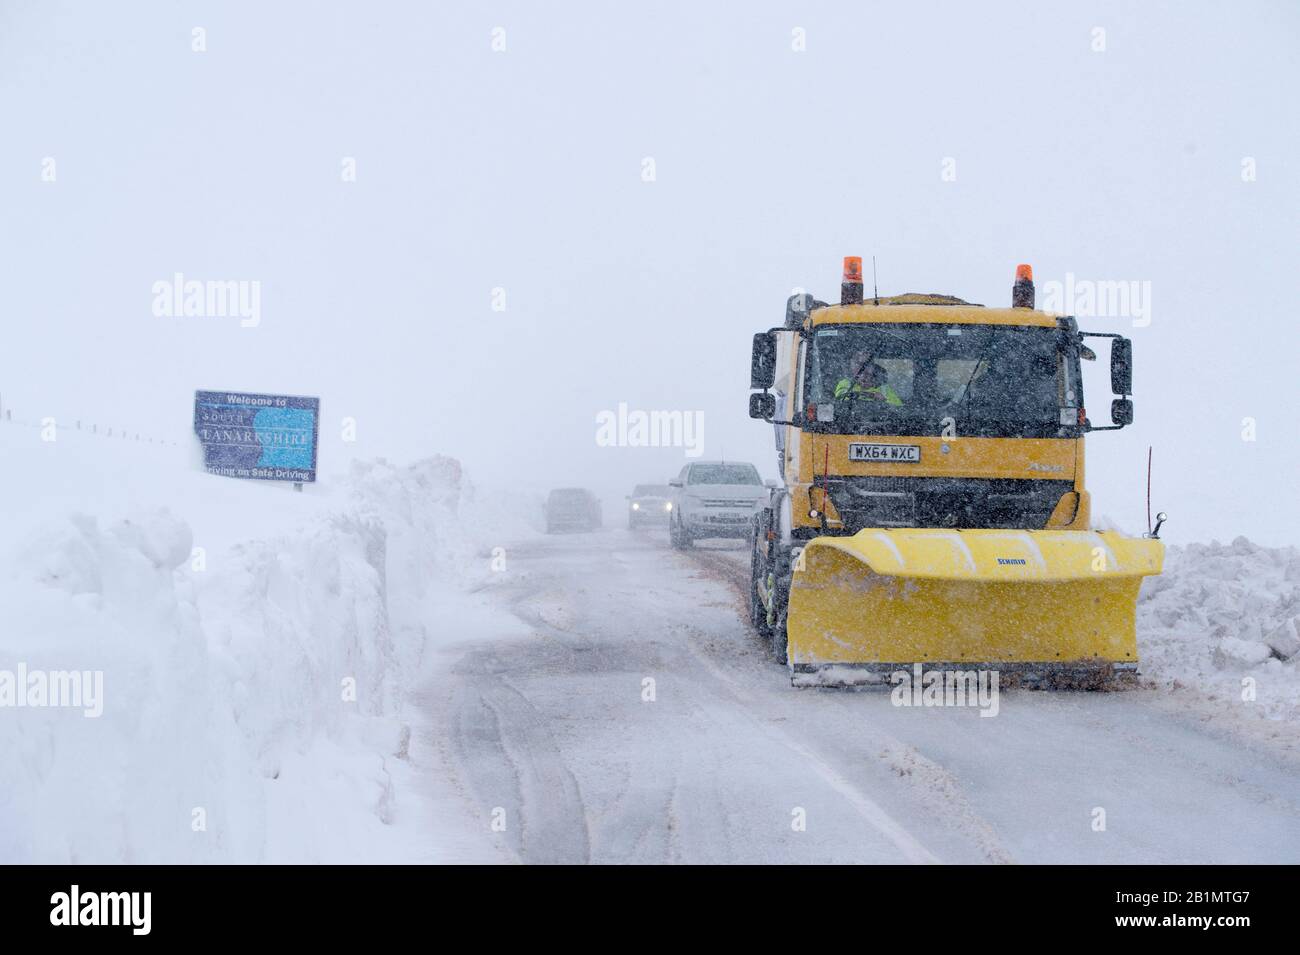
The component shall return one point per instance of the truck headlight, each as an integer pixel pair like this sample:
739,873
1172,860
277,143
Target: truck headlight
668,506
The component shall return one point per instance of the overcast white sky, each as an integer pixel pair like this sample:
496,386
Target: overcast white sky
523,169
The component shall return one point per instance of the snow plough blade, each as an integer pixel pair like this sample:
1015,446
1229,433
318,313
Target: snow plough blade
1042,605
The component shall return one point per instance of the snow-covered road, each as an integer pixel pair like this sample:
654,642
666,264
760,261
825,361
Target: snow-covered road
555,736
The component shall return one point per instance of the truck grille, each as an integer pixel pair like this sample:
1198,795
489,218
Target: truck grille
945,502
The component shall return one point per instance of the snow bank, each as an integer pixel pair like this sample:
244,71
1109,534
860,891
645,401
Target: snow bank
1220,614
252,698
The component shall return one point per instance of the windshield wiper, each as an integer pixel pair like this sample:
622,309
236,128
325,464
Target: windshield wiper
965,392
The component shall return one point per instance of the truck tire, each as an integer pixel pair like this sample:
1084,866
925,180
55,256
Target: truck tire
777,567
780,574
757,574
780,640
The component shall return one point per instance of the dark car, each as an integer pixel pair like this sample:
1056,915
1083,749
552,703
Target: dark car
649,504
572,509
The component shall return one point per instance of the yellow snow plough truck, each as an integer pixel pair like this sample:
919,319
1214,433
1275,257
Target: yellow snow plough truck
932,509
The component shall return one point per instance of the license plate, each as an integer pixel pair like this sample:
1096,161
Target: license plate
884,452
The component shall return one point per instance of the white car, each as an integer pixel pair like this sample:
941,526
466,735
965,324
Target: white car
714,499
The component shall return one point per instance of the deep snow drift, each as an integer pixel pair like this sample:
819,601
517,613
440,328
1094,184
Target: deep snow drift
252,695
1223,619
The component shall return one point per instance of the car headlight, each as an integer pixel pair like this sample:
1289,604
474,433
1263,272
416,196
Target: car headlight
636,506
668,506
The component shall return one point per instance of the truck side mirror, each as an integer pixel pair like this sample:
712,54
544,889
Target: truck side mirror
762,405
1121,411
762,361
1121,366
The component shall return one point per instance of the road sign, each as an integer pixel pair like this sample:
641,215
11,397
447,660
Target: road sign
261,437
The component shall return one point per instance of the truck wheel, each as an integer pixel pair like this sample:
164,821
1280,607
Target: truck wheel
780,639
757,575
780,576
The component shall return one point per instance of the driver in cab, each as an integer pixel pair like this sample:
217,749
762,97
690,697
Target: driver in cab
867,381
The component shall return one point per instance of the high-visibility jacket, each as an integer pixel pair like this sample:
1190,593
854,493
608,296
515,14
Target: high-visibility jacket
845,388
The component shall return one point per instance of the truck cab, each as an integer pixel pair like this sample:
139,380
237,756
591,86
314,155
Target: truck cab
925,411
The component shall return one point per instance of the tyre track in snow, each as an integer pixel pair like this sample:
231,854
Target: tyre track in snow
649,817
931,783
553,821
508,752
689,796
741,719
640,796
909,846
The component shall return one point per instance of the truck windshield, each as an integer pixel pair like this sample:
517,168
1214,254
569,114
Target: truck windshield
924,379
